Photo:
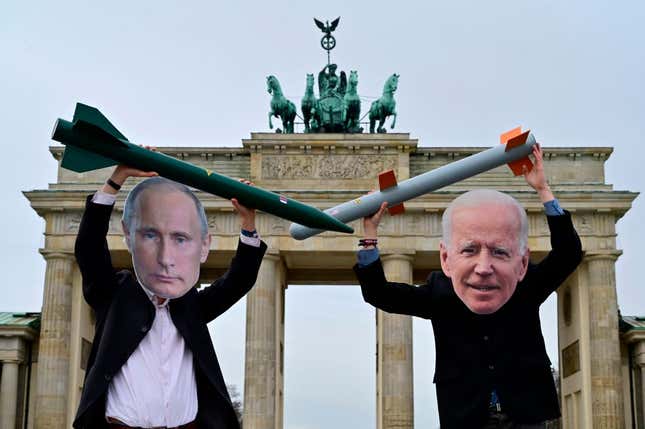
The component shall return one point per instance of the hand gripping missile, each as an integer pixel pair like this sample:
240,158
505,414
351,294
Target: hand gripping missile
92,142
514,150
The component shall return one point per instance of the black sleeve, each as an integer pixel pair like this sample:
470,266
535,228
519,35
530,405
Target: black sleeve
93,256
399,298
234,284
564,257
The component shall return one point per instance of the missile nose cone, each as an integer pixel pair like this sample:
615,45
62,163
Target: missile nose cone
62,128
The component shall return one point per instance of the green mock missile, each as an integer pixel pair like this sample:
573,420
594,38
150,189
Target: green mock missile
92,142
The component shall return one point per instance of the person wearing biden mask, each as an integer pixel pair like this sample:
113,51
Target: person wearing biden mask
492,369
152,363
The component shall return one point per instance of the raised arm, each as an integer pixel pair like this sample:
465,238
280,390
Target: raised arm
91,249
392,297
242,273
566,248
536,178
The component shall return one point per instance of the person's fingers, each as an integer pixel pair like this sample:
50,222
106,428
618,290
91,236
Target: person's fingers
235,203
381,210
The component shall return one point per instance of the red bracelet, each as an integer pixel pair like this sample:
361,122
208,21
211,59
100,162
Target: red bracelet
364,242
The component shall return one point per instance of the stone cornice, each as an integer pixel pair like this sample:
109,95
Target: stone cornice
612,202
633,336
364,140
177,152
549,152
25,332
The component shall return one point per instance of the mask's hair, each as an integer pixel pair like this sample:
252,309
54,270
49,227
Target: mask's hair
479,197
130,211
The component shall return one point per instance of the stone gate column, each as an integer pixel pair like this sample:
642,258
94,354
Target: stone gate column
606,376
263,379
53,357
8,394
394,377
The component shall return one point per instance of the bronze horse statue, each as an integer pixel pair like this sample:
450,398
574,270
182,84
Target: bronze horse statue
280,106
309,106
384,106
352,105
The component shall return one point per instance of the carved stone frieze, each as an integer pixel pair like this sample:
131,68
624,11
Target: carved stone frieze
223,223
411,223
115,223
72,222
584,224
537,224
325,167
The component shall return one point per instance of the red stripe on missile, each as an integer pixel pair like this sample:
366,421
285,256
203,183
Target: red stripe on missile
387,179
514,138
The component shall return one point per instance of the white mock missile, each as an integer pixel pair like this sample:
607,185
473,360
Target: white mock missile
514,150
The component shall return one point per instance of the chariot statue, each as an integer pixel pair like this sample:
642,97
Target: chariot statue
338,106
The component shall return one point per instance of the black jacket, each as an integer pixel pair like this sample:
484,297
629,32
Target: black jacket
478,353
124,314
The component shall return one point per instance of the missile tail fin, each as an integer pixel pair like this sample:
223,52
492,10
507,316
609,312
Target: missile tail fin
505,137
386,180
397,209
514,138
93,116
81,160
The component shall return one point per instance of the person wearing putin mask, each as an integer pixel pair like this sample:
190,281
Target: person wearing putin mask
152,363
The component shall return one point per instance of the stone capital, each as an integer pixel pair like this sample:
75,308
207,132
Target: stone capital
598,255
50,254
639,354
397,255
272,255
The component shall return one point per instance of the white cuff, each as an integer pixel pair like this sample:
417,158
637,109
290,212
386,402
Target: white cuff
104,198
251,241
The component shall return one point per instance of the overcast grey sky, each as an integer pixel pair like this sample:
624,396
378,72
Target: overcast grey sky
193,74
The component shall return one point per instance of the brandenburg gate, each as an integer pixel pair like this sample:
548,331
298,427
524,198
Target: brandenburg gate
324,170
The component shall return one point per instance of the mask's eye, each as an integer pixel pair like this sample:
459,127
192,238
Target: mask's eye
149,235
181,238
501,253
468,250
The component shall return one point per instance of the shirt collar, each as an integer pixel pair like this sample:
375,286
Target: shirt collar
154,298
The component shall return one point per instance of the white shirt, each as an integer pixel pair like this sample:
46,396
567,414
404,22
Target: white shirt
156,386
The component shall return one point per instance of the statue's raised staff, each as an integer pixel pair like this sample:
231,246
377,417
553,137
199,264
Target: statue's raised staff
280,106
352,105
384,106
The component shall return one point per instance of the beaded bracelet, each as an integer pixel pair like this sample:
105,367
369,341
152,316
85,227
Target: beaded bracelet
364,242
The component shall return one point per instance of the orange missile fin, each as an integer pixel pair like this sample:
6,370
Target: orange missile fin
395,210
505,137
517,140
386,180
514,138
